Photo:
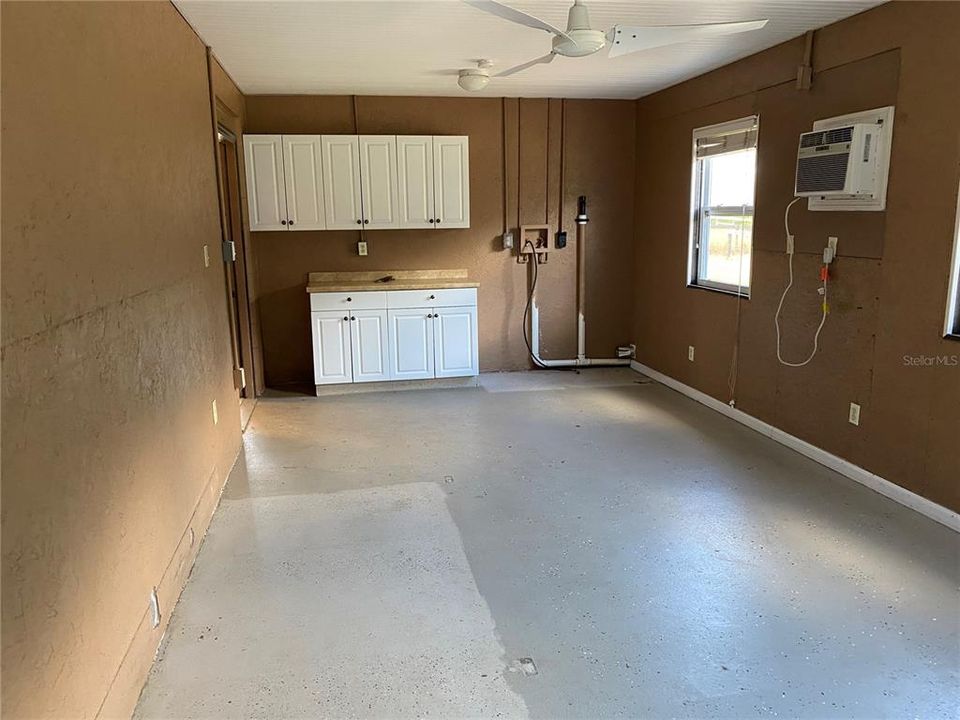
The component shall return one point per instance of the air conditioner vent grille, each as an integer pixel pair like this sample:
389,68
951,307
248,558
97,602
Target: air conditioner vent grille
822,172
826,137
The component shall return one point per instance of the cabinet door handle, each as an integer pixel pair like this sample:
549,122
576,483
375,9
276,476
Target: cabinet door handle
438,221
290,222
352,318
431,221
366,222
429,315
283,222
432,297
359,222
345,317
349,299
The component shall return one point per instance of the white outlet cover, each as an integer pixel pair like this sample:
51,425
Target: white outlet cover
216,416
154,608
362,247
854,416
690,353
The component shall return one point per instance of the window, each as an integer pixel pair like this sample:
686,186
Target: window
721,235
952,327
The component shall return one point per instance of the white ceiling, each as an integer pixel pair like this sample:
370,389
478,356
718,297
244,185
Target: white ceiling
415,47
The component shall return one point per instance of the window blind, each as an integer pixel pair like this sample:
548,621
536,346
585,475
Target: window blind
729,137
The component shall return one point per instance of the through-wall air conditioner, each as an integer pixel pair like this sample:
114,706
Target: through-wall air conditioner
842,164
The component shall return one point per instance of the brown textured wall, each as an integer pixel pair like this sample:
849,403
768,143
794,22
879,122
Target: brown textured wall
599,141
114,344
890,283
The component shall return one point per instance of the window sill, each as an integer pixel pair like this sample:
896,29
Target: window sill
723,291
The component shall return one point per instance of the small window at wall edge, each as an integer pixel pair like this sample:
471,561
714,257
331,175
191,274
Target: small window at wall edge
952,325
722,206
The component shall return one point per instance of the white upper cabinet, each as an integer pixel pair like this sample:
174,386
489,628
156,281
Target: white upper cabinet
304,182
349,182
266,196
415,181
451,173
378,181
341,181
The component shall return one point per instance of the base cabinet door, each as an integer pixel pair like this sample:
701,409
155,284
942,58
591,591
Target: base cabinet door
331,347
368,345
455,342
411,343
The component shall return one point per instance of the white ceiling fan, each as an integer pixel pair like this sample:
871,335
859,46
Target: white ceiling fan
579,39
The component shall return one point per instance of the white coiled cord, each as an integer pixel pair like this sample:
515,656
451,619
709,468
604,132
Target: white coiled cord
823,318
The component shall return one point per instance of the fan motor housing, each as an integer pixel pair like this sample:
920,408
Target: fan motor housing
585,42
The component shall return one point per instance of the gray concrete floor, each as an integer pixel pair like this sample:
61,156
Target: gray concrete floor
402,554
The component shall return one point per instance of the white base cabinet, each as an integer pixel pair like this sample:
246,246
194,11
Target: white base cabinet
331,348
394,335
411,343
455,341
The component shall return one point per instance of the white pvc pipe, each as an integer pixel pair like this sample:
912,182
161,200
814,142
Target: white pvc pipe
581,360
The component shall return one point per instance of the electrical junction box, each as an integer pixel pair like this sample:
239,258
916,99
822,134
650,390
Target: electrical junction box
560,240
844,162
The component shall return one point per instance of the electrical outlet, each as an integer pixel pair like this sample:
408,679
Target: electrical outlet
854,416
154,608
216,416
690,351
832,244
362,248
206,256
508,241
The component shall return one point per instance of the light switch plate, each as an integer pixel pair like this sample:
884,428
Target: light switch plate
362,248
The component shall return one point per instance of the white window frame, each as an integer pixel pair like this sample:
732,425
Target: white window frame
951,327
697,212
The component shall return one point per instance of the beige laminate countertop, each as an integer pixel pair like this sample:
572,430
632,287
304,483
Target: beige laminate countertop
402,280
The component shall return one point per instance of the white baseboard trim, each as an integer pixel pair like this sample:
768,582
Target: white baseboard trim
932,510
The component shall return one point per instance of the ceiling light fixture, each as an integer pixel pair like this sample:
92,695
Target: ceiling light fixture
475,79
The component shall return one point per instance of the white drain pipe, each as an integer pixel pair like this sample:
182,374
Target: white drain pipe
581,360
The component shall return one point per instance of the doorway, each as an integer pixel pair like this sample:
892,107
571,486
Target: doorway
234,256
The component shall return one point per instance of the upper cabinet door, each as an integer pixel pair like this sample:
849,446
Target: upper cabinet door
378,181
415,181
451,181
266,198
302,169
341,181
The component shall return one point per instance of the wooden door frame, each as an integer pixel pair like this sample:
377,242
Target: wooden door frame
236,273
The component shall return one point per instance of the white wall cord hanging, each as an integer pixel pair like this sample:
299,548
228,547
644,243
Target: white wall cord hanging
823,291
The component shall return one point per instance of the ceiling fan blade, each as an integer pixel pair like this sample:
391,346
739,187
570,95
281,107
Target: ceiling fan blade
517,68
626,39
508,13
